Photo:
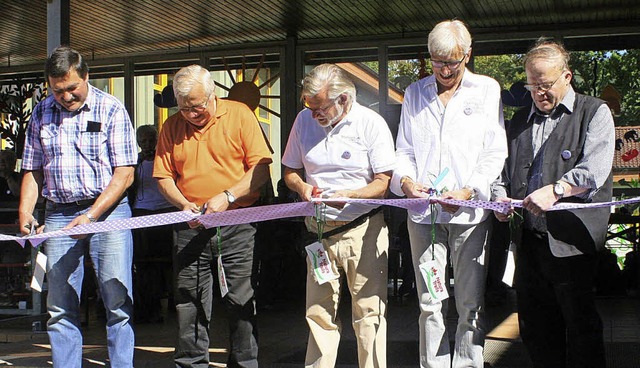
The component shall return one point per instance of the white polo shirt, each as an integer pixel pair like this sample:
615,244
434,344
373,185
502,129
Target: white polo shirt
346,156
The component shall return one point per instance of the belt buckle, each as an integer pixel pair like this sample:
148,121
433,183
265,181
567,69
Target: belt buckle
335,223
84,202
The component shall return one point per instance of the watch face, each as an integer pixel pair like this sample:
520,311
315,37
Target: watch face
558,189
230,197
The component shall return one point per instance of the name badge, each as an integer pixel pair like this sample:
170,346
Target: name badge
434,278
38,272
320,265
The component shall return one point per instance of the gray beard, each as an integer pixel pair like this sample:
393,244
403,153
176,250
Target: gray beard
332,121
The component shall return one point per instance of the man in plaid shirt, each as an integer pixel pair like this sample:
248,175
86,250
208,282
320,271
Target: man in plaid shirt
80,154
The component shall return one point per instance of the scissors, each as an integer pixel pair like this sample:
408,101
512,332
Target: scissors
32,226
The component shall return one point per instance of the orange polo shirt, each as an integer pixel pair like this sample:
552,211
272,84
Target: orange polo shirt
205,161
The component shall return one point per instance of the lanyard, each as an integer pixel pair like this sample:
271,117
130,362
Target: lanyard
433,229
320,217
219,241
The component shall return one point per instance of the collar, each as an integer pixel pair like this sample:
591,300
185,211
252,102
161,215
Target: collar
347,117
468,80
566,105
221,108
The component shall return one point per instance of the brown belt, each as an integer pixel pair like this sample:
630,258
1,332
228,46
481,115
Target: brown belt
348,225
336,223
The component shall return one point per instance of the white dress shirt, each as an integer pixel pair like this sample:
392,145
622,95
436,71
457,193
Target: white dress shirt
465,138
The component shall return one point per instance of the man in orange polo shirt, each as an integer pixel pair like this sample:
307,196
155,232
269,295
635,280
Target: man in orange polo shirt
211,156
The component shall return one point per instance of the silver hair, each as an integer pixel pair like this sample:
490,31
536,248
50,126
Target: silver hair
449,37
329,77
548,49
187,77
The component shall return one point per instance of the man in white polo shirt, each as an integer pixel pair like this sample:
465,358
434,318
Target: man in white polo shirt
343,150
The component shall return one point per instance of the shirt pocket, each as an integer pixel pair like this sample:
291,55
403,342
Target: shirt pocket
50,140
91,144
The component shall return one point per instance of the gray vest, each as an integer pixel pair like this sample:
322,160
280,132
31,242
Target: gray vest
584,229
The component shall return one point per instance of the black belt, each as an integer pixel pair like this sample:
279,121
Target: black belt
537,234
84,202
79,203
355,223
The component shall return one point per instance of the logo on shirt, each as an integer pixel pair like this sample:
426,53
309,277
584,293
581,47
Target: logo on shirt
346,155
472,106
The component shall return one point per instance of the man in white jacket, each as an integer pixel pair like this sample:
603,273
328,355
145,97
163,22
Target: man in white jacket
451,139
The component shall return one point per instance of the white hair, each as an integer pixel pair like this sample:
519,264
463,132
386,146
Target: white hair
331,77
187,77
449,37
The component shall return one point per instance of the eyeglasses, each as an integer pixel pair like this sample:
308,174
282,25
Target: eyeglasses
322,110
453,65
196,109
542,87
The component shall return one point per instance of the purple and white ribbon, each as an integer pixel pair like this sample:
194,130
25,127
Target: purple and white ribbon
287,210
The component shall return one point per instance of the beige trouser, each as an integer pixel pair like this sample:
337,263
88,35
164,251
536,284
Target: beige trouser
360,255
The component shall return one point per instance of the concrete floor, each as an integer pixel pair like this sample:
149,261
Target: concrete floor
283,336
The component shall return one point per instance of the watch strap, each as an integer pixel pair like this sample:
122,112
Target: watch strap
230,197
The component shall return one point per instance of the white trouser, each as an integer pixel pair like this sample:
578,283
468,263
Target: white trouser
468,246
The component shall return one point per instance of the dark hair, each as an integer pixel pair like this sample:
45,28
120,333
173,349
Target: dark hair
62,60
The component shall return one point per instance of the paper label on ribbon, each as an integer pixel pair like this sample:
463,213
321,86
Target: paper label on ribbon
222,279
510,267
39,270
320,264
434,278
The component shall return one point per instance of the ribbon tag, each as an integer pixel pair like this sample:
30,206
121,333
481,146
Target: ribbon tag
39,270
434,278
320,264
510,267
222,279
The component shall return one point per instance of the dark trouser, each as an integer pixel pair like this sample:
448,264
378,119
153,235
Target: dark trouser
194,269
152,249
559,323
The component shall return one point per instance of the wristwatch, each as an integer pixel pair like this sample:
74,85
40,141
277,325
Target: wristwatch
558,189
230,197
91,218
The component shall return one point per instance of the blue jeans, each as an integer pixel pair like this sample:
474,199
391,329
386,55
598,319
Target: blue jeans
111,254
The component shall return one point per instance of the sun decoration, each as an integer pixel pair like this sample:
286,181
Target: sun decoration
246,90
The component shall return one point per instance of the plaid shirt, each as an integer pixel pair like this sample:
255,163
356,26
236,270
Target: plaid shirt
78,150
